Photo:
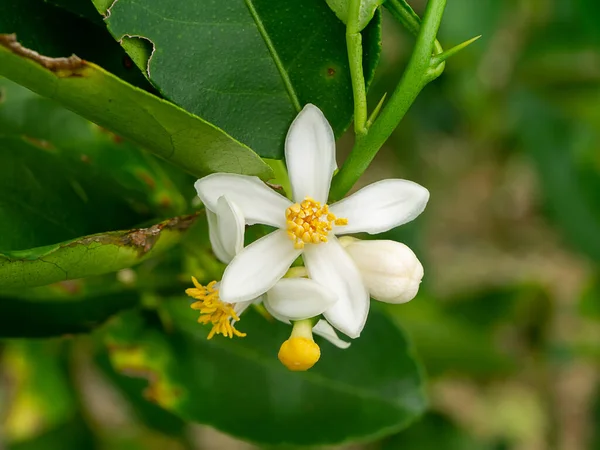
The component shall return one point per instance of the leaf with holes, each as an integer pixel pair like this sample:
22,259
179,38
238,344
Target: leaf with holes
370,390
247,67
62,31
157,125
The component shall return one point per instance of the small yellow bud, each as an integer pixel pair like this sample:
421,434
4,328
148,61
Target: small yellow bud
299,353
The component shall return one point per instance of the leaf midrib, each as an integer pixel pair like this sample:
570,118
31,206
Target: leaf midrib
282,72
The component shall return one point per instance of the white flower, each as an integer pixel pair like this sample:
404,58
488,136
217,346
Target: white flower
291,299
390,270
310,158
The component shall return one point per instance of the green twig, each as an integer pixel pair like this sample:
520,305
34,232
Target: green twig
355,58
403,13
413,80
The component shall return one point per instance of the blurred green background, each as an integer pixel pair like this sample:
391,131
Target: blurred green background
507,322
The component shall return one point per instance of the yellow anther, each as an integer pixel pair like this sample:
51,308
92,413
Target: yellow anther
299,353
213,310
310,222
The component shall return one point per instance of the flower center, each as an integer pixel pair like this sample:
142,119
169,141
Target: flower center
213,310
310,223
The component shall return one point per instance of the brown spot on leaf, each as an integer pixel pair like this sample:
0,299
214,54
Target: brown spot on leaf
63,67
2,94
165,201
85,159
140,239
40,143
70,286
145,238
146,178
330,71
127,62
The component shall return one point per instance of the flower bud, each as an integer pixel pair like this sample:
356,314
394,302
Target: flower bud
390,270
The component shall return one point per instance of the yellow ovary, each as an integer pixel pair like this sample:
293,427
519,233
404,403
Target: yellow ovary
213,310
310,223
299,353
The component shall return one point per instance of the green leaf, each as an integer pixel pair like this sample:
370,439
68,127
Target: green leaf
26,318
42,201
365,14
155,124
247,67
55,32
91,255
370,390
102,159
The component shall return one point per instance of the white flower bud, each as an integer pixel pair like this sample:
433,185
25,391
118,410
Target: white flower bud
390,270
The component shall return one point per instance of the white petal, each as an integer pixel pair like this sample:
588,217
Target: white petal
258,202
310,155
298,298
230,222
215,240
381,206
330,265
323,329
258,267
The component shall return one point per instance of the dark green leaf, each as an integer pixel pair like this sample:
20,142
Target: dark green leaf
370,390
91,255
43,202
155,124
56,32
103,160
247,67
56,317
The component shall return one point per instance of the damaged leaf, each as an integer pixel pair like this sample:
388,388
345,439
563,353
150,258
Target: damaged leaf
90,255
58,29
157,125
249,70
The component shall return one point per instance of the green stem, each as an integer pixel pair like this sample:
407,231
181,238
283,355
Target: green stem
403,13
355,58
413,80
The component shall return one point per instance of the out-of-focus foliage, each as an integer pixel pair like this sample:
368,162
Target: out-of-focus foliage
507,321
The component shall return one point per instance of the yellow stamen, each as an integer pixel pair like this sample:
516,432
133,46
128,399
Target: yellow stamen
213,310
309,223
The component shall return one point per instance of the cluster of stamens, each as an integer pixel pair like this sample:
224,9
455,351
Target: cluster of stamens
213,310
310,223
